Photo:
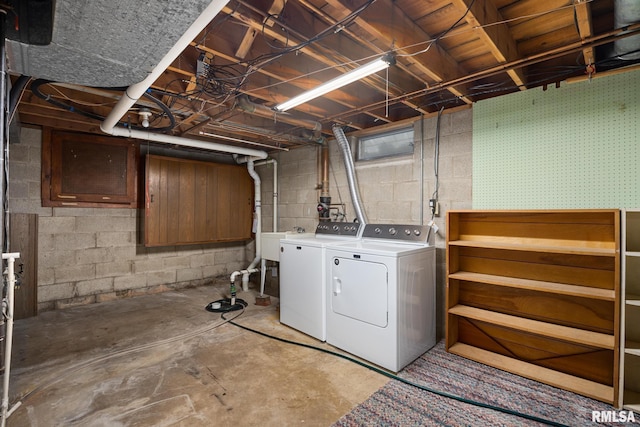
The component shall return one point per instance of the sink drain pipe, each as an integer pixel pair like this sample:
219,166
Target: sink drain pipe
257,229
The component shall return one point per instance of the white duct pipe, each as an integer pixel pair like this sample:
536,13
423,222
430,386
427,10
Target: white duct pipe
135,91
186,142
263,263
257,230
7,310
275,189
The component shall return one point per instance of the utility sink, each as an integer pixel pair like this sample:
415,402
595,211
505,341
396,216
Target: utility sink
270,242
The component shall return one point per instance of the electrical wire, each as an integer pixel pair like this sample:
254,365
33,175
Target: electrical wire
402,380
443,34
35,88
483,26
436,157
217,72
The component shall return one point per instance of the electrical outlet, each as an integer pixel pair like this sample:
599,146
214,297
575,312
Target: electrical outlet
434,206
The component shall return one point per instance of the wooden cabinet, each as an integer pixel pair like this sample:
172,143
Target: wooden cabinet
536,293
630,307
190,202
83,170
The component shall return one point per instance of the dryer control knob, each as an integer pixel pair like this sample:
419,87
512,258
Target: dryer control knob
377,230
407,232
416,232
392,231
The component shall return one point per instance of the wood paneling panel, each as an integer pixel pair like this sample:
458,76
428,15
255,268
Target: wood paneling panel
191,202
23,238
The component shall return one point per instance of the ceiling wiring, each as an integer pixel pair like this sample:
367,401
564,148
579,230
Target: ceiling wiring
451,32
443,34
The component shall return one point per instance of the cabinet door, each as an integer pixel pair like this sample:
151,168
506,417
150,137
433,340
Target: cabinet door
190,202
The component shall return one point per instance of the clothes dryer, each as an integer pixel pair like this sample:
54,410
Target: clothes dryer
381,295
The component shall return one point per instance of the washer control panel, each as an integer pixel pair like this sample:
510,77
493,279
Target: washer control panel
403,232
338,228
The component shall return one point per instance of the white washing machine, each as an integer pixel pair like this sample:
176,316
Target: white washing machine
381,295
303,276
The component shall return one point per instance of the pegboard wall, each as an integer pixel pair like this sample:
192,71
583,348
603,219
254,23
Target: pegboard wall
572,147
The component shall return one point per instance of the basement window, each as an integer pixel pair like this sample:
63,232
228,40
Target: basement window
396,142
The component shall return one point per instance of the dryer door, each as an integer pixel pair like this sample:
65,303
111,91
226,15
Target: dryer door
359,290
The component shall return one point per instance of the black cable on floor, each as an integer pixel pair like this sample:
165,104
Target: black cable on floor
403,380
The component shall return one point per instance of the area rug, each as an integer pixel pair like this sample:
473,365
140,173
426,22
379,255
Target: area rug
400,404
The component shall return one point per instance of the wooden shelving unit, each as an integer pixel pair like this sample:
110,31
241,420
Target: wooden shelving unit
537,293
630,312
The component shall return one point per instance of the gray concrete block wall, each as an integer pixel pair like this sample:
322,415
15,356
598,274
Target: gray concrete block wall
389,188
88,255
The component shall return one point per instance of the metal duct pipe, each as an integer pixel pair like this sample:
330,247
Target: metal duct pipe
626,12
351,173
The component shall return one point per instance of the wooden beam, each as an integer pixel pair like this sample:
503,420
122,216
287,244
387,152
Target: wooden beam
328,57
388,24
585,27
374,48
496,37
251,33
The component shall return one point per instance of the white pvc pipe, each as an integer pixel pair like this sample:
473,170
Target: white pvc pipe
263,263
11,257
135,91
186,142
258,230
275,189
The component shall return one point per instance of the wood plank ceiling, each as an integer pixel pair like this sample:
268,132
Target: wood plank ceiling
258,53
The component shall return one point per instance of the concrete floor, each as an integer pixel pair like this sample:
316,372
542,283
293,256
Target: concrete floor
163,360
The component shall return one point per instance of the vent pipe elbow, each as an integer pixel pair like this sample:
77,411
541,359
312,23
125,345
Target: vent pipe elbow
343,143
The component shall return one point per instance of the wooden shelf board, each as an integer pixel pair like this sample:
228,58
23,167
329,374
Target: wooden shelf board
631,299
631,400
548,376
537,285
632,347
574,250
580,336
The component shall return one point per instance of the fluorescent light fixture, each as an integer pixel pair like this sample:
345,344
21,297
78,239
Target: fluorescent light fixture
343,80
